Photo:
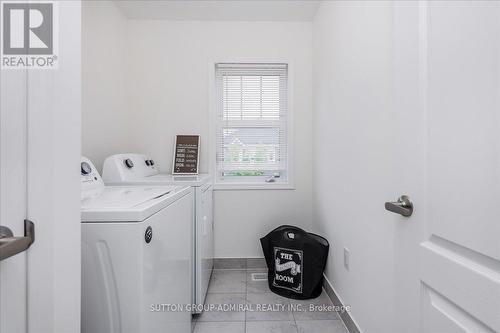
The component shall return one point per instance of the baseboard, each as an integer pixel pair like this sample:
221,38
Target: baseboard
349,322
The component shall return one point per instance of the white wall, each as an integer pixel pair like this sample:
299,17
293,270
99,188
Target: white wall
165,65
352,156
169,87
104,80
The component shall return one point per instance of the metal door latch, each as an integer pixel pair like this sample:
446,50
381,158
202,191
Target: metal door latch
403,206
10,245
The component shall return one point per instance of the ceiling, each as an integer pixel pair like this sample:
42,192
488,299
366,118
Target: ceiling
220,10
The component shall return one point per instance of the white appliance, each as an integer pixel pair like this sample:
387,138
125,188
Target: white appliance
135,256
139,169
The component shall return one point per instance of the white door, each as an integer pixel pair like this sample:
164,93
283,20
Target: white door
447,109
13,197
39,181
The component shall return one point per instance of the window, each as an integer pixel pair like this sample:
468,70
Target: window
252,134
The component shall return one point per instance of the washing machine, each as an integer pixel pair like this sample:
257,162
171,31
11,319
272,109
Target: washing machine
135,256
137,169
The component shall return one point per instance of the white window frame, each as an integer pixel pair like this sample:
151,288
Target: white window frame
213,114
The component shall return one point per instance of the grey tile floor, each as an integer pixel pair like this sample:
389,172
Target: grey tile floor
239,287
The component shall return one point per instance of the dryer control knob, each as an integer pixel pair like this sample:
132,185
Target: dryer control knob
151,162
148,162
129,163
85,168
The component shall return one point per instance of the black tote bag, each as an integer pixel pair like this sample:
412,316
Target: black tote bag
296,260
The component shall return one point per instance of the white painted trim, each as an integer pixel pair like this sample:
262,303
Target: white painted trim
212,107
212,112
290,123
54,144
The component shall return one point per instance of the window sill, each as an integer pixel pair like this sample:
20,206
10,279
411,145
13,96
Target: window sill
252,186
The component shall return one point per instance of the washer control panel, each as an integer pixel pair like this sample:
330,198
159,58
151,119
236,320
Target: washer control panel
90,178
128,167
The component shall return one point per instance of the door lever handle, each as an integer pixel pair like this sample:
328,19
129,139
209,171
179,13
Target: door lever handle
403,206
10,245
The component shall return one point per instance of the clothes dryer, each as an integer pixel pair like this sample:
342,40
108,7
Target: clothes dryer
137,169
136,255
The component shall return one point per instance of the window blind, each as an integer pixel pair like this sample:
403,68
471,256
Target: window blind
252,138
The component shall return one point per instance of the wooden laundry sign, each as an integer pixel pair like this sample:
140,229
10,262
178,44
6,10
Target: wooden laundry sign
186,155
